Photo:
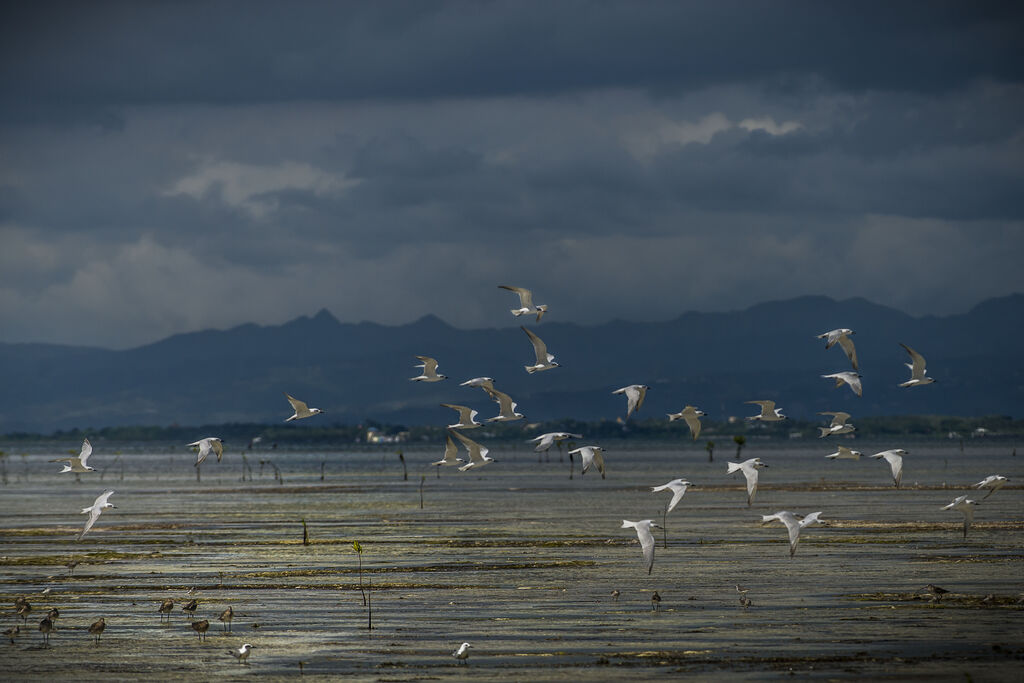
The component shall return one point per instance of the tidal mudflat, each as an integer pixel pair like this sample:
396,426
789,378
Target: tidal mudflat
517,559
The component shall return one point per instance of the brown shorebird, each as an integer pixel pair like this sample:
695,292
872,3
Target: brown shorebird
615,595
165,608
936,592
745,601
12,633
53,614
656,602
226,616
191,606
97,628
201,627
71,566
23,609
45,627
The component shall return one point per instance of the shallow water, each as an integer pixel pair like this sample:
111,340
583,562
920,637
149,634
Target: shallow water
517,559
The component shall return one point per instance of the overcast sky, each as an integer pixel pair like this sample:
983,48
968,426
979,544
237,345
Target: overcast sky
167,167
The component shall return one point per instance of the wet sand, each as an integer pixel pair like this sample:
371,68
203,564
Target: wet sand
520,561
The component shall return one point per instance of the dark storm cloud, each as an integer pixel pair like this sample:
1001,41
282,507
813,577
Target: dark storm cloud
169,166
62,56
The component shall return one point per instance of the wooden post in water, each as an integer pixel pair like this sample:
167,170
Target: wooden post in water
405,470
321,470
305,533
423,478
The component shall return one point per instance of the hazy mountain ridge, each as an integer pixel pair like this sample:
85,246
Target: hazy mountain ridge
356,371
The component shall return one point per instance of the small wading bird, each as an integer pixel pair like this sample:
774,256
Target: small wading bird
590,455
918,376
842,336
429,374
966,506
201,627
526,305
12,633
165,609
301,409
94,511
992,482
894,457
844,453
466,415
477,452
225,618
78,463
935,591
635,395
769,413
190,607
462,653
545,361
838,424
692,416
794,524
242,653
46,627
749,469
646,538
655,602
205,446
98,627
615,597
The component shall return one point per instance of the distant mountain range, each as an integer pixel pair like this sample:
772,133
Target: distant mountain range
355,372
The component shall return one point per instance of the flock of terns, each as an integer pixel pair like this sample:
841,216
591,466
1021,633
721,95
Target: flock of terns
590,455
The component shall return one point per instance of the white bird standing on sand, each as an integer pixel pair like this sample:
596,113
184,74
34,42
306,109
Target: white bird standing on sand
477,452
546,441
993,482
462,653
450,453
301,409
590,455
635,395
77,464
526,305
851,379
94,511
242,653
484,383
794,524
506,407
842,336
692,416
643,533
844,453
678,488
429,374
895,459
749,469
917,369
965,506
838,424
769,413
205,445
545,361
466,415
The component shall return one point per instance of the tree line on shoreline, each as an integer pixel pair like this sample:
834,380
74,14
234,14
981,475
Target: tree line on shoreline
940,426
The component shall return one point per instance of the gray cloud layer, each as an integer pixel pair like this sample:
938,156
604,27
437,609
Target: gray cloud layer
170,166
